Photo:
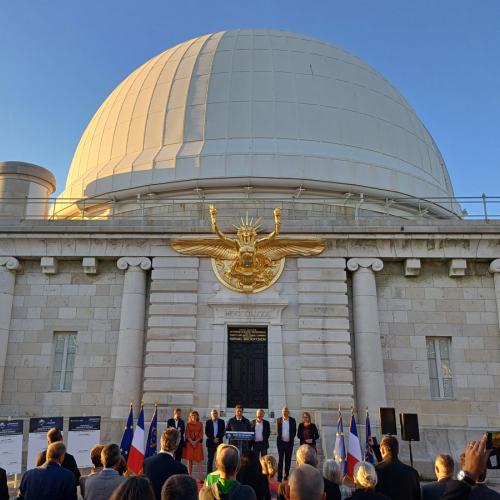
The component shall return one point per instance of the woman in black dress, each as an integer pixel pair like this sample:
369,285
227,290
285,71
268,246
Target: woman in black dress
307,431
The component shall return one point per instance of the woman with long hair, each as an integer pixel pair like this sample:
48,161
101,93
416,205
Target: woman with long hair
307,432
270,469
193,446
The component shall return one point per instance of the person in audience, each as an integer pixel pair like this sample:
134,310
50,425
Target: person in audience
443,468
49,481
395,479
306,484
95,458
193,446
286,430
474,465
307,431
179,424
224,483
179,487
270,469
4,488
214,430
101,486
262,431
53,436
332,472
134,488
365,481
480,491
306,454
250,473
159,468
241,424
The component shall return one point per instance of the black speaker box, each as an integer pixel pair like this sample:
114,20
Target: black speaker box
388,421
409,427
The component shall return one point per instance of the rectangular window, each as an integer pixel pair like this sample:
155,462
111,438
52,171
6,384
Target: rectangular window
64,361
438,355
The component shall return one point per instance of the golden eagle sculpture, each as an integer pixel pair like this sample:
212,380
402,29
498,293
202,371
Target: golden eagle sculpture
247,263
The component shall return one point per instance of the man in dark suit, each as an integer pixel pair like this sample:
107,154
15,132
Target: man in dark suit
443,468
179,424
239,423
287,430
262,430
4,489
50,481
214,430
102,485
395,479
160,467
53,436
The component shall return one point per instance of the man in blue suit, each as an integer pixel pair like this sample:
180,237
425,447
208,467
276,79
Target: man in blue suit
160,467
179,424
50,481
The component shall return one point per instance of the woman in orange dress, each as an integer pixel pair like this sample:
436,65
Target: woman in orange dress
193,447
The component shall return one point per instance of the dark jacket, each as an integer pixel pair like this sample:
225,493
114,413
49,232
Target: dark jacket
243,425
181,426
50,481
434,490
456,490
312,429
238,492
159,468
4,489
368,495
266,431
69,463
101,486
397,480
482,492
293,429
332,490
209,432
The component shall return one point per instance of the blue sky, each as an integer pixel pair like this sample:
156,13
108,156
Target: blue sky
60,59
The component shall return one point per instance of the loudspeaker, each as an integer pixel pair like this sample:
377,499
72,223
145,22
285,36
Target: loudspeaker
409,427
388,421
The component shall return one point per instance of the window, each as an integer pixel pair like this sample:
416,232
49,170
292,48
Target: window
64,361
438,354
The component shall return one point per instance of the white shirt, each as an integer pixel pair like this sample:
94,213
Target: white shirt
259,430
285,430
216,427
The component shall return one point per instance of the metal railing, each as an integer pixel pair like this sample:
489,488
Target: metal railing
351,206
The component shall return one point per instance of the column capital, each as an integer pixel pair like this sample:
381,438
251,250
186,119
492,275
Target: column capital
365,262
10,263
124,263
495,266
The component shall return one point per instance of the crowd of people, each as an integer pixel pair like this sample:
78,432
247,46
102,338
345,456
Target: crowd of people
245,471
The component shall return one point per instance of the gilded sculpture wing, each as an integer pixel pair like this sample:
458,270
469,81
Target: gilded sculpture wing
278,248
214,247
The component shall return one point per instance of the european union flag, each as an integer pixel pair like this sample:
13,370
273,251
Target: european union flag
339,453
369,456
128,434
151,447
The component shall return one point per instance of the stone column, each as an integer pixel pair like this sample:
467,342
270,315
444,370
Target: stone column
8,268
495,270
370,384
130,350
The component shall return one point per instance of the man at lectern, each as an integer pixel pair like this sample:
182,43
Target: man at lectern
239,423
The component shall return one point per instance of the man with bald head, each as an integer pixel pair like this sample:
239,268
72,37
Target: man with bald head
306,483
223,481
50,481
287,430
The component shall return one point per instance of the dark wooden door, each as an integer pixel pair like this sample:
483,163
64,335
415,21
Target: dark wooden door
247,367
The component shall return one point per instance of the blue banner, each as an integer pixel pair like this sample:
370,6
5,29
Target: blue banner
44,424
84,423
11,427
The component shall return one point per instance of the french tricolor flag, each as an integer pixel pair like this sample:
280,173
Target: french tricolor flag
354,449
136,456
